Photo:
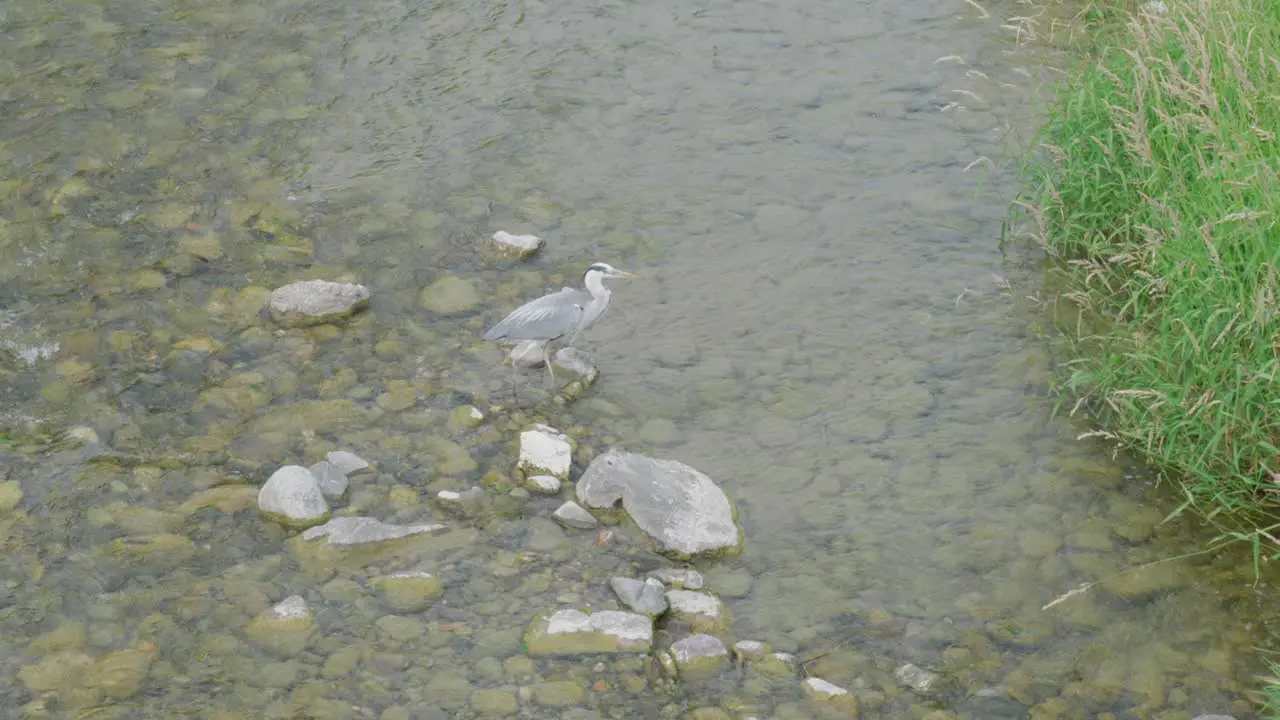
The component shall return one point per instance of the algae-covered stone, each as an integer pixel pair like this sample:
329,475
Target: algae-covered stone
121,674
10,494
409,591
528,354
559,693
313,302
450,457
699,656
829,696
400,628
681,509
464,417
448,690
165,549
56,671
573,632
774,665
286,628
449,295
399,395
545,451
745,651
578,366
292,497
229,499
206,247
494,702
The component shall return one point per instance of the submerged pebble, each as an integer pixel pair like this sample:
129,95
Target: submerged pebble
514,246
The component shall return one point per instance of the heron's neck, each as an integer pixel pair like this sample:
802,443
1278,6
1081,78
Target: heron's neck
594,281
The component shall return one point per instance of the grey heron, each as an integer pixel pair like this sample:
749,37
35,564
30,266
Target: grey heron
559,314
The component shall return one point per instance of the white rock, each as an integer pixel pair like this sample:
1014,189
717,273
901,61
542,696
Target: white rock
518,246
571,514
573,360
312,302
545,484
333,484
818,686
545,451
703,611
698,656
348,463
291,607
1155,7
291,496
642,596
528,354
684,512
361,530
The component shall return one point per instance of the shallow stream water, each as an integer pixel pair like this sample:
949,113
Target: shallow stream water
825,324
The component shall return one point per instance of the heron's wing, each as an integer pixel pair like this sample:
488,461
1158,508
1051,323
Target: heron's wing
546,318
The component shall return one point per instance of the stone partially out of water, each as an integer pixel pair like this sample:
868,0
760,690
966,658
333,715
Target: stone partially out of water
313,302
642,596
505,244
347,463
579,367
365,530
545,484
681,509
292,497
702,611
545,451
828,695
571,514
331,481
573,632
698,656
285,628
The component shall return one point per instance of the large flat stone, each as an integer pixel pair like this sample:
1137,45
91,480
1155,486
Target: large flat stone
681,509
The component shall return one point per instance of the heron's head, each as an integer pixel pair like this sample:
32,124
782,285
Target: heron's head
608,271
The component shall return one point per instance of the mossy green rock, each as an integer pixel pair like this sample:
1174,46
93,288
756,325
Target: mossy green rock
559,693
10,495
286,629
121,674
159,549
830,701
449,295
450,457
319,416
464,417
56,671
409,591
494,702
448,690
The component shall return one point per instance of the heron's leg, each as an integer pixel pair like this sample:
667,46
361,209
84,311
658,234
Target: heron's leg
547,355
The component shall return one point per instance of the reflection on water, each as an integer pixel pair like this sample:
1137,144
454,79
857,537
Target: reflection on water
818,329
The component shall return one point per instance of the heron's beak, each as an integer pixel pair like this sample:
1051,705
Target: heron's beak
621,274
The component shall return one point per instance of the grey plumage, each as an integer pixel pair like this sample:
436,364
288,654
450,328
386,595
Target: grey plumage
561,314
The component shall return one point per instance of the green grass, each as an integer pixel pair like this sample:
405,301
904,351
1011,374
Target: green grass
1156,188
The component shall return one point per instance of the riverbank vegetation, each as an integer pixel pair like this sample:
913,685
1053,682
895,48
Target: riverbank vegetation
1155,189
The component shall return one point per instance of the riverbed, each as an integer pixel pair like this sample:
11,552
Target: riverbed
826,323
